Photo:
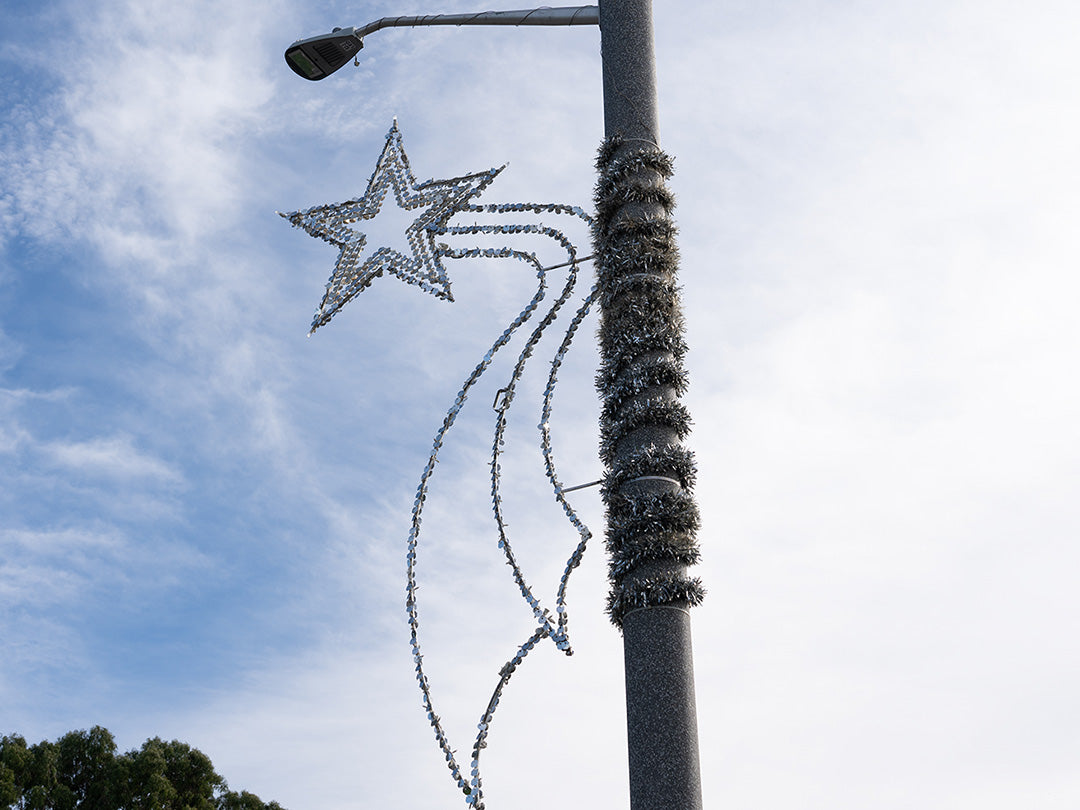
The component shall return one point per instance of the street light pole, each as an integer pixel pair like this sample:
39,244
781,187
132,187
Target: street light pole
652,518
651,515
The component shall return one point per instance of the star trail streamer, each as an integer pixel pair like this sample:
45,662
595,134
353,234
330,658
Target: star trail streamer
437,201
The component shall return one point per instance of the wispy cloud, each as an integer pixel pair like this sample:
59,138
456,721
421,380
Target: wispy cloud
133,153
50,567
114,457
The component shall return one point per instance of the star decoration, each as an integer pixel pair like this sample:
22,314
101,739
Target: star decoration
438,199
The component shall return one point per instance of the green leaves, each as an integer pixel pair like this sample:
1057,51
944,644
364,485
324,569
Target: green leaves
85,762
82,771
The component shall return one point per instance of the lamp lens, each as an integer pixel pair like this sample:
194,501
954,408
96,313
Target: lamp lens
299,62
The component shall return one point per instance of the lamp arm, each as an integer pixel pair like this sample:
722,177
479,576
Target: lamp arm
570,15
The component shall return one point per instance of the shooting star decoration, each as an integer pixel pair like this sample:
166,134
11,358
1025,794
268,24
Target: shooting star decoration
437,201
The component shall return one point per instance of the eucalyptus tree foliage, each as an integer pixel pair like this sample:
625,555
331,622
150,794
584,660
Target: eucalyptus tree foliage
82,771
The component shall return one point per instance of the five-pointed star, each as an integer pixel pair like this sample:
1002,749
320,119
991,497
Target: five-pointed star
439,199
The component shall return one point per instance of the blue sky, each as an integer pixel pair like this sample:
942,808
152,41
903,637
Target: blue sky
203,513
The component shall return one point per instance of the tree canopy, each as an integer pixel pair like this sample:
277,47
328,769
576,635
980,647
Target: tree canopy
82,771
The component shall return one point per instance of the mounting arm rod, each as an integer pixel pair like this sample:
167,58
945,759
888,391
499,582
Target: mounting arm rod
571,15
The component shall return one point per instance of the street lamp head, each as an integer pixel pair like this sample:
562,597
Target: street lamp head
318,57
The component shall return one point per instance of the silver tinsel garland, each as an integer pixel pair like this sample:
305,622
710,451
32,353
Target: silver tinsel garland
651,538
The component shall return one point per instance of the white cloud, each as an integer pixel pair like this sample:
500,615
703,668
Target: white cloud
137,152
115,457
45,568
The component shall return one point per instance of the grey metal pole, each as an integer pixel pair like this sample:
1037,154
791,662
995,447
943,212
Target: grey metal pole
652,518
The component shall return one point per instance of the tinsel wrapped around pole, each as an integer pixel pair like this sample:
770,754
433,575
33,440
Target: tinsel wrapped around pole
652,518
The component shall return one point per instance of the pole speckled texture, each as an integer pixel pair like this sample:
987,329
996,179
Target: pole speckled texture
652,516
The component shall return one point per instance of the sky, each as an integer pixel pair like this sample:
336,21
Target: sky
204,513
